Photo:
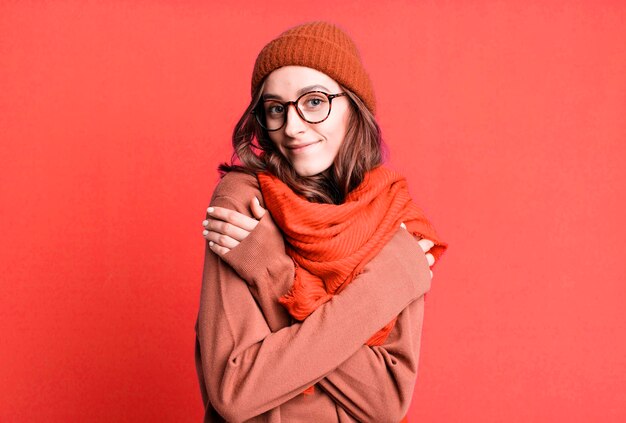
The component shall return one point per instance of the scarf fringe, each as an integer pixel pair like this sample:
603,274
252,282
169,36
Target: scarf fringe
304,298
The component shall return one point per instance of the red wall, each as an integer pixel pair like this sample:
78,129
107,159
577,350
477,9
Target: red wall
507,117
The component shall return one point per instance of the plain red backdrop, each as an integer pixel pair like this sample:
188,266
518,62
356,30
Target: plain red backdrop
508,118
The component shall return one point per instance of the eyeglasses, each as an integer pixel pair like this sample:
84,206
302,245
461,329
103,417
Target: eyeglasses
313,107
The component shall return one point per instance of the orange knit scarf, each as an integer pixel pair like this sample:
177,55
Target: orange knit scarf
330,244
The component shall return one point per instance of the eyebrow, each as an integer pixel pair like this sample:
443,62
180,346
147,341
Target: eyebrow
299,93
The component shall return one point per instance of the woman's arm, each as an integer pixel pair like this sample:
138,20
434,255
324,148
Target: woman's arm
248,370
375,383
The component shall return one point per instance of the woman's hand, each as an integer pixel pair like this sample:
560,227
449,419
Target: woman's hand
426,245
225,229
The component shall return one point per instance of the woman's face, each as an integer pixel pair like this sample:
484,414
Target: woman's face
309,148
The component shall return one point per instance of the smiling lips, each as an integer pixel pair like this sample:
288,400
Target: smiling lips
300,147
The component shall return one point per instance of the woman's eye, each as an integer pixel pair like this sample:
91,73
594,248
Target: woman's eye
314,102
274,110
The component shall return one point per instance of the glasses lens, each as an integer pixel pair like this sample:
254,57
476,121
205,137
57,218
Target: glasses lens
314,107
272,115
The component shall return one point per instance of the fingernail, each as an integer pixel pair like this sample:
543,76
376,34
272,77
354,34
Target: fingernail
210,209
402,225
205,222
205,232
257,201
431,273
211,243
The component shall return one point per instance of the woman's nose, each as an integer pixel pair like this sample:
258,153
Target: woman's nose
294,124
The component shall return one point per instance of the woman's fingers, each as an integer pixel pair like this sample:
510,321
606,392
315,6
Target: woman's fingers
225,228
257,210
218,249
220,239
426,244
229,222
233,217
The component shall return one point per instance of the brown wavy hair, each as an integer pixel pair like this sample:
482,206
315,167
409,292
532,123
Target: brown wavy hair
361,151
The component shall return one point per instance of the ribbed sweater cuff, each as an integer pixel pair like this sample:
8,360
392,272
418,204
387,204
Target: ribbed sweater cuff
259,252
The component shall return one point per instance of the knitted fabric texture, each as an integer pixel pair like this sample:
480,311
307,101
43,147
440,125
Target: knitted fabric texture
330,244
321,46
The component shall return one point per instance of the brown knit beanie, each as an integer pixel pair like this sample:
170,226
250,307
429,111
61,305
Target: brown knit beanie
320,46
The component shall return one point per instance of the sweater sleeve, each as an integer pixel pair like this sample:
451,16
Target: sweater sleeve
248,370
375,383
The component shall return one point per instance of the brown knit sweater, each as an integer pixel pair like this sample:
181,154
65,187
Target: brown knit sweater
253,361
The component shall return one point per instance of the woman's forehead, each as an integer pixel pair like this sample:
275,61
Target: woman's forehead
290,81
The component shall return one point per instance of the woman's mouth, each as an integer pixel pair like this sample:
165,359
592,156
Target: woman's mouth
297,149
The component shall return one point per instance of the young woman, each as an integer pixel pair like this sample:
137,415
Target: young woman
317,260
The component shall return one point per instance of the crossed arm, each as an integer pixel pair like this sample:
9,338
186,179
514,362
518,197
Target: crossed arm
225,229
257,341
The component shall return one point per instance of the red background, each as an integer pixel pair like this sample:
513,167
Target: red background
507,117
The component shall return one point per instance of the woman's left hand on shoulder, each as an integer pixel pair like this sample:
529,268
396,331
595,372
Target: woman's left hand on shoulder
426,245
225,228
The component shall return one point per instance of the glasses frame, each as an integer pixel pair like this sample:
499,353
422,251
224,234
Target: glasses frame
257,113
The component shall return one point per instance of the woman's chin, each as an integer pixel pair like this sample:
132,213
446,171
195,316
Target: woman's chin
307,171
